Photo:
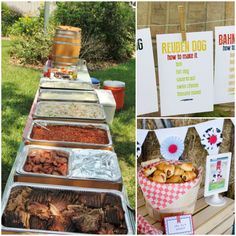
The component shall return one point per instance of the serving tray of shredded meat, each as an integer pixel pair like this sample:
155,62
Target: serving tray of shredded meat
49,209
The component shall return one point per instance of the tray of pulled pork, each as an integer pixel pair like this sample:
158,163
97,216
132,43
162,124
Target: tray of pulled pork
69,134
37,208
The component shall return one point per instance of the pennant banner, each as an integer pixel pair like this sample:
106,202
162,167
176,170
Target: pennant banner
233,121
172,141
141,135
210,133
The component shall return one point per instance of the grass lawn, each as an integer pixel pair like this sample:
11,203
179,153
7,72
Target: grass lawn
19,86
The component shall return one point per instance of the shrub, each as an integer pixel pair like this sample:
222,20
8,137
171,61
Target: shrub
26,26
9,17
110,24
30,44
33,49
108,31
29,25
93,49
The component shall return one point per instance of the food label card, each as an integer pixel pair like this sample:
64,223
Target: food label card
217,173
224,83
179,225
185,73
146,79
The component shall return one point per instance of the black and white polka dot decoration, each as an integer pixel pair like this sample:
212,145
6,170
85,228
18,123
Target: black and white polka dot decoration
212,138
139,149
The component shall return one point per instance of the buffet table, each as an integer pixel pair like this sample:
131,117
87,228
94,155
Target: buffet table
73,175
83,74
206,219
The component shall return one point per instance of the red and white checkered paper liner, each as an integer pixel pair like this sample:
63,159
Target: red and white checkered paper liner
146,228
162,195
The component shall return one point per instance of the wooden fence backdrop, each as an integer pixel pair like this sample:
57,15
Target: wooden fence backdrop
162,18
194,151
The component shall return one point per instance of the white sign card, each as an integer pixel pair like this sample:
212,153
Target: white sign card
179,225
147,100
224,83
185,73
217,173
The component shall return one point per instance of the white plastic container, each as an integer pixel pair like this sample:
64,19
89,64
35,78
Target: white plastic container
106,99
